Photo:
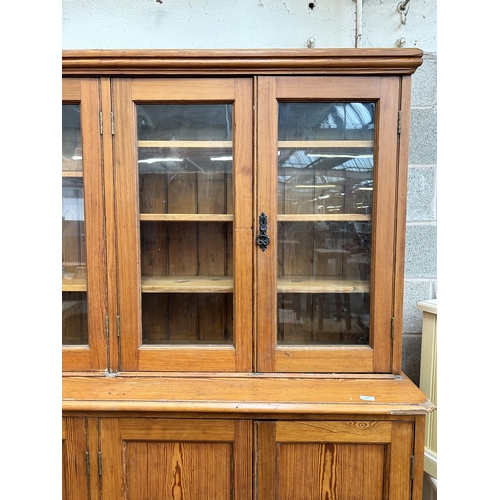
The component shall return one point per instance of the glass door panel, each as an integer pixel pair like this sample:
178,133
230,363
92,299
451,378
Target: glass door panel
325,186
185,169
326,180
74,271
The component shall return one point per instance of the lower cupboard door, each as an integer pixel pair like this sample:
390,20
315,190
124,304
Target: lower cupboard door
334,460
177,459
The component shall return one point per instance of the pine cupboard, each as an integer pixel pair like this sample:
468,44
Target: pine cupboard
232,261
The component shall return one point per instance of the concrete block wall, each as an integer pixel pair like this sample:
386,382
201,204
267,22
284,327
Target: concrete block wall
421,216
162,24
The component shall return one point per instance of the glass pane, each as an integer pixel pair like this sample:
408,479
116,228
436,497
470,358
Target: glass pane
185,168
180,318
325,199
74,318
74,270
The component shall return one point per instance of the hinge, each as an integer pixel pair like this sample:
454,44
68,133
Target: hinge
399,121
107,325
99,463
87,458
112,123
118,326
412,466
392,327
100,121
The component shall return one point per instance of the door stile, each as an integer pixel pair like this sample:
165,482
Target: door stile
127,220
402,188
243,224
266,204
384,202
110,223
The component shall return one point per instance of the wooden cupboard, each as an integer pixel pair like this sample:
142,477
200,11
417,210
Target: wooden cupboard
233,254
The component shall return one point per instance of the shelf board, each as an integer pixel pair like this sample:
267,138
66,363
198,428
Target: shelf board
324,217
324,144
185,144
72,173
74,285
317,284
187,284
187,217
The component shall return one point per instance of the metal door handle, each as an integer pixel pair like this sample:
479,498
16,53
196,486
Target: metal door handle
263,239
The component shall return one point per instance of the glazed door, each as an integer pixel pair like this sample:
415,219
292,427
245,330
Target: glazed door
348,460
171,458
326,204
184,223
83,267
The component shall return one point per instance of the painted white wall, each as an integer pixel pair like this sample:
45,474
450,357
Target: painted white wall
212,24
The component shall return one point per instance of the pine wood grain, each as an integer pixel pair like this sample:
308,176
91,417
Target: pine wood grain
243,394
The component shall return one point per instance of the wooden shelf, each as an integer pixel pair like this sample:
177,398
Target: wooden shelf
185,144
187,284
312,284
74,285
324,144
72,173
187,217
324,217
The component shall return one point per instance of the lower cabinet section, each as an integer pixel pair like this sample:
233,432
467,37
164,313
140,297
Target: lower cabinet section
137,458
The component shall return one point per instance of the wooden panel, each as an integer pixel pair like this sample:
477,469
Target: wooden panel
71,89
205,359
74,460
400,467
221,89
188,459
356,431
326,470
176,430
326,359
330,88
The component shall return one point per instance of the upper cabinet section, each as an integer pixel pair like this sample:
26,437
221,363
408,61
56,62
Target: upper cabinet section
234,211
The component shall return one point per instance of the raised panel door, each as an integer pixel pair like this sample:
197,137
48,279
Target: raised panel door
346,459
179,459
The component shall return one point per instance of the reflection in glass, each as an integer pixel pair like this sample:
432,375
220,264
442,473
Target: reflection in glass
74,261
185,122
325,199
185,180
